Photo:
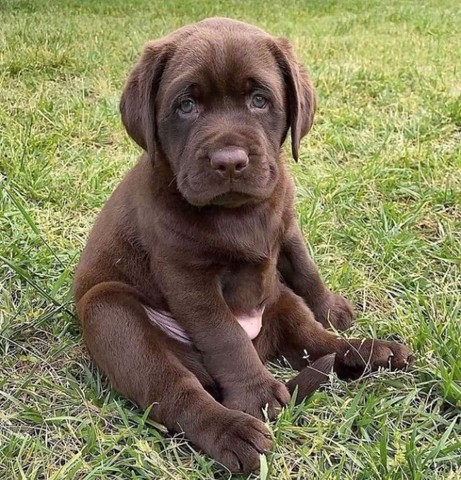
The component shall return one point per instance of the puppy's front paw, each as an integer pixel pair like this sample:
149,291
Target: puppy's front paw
262,393
234,439
334,311
359,356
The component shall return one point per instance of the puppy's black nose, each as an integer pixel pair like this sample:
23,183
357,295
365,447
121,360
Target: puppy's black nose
229,161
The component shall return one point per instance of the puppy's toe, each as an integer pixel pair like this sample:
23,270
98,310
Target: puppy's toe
238,441
335,311
390,355
401,356
361,356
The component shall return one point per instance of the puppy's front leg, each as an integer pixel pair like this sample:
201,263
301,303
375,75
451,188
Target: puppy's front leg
195,299
145,367
301,275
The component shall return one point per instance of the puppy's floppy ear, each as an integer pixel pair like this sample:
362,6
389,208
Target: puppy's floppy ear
300,92
137,104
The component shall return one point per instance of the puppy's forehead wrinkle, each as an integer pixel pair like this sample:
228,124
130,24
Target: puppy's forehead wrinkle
224,62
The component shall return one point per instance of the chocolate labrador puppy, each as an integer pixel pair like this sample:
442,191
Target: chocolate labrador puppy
196,272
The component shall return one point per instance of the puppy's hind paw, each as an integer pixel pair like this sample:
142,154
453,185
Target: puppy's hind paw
312,377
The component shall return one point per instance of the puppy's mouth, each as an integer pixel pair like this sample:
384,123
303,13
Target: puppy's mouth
200,191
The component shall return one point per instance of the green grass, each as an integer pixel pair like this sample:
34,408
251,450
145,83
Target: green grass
379,199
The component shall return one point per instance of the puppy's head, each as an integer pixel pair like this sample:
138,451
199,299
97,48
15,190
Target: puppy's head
217,99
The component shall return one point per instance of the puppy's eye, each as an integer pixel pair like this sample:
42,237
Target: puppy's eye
187,105
258,101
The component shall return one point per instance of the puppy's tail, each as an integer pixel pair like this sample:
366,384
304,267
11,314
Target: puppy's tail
312,377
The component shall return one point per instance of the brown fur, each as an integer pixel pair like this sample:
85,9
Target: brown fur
208,244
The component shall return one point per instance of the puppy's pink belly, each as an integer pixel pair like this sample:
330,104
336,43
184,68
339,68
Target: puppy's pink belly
251,322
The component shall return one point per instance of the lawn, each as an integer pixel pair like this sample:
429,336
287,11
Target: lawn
379,201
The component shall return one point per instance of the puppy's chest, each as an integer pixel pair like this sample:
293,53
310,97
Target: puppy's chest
248,286
247,289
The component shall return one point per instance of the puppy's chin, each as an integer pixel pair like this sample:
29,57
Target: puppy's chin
234,200
225,200
227,197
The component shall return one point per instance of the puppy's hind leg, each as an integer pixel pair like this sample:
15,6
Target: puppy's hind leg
142,364
303,339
